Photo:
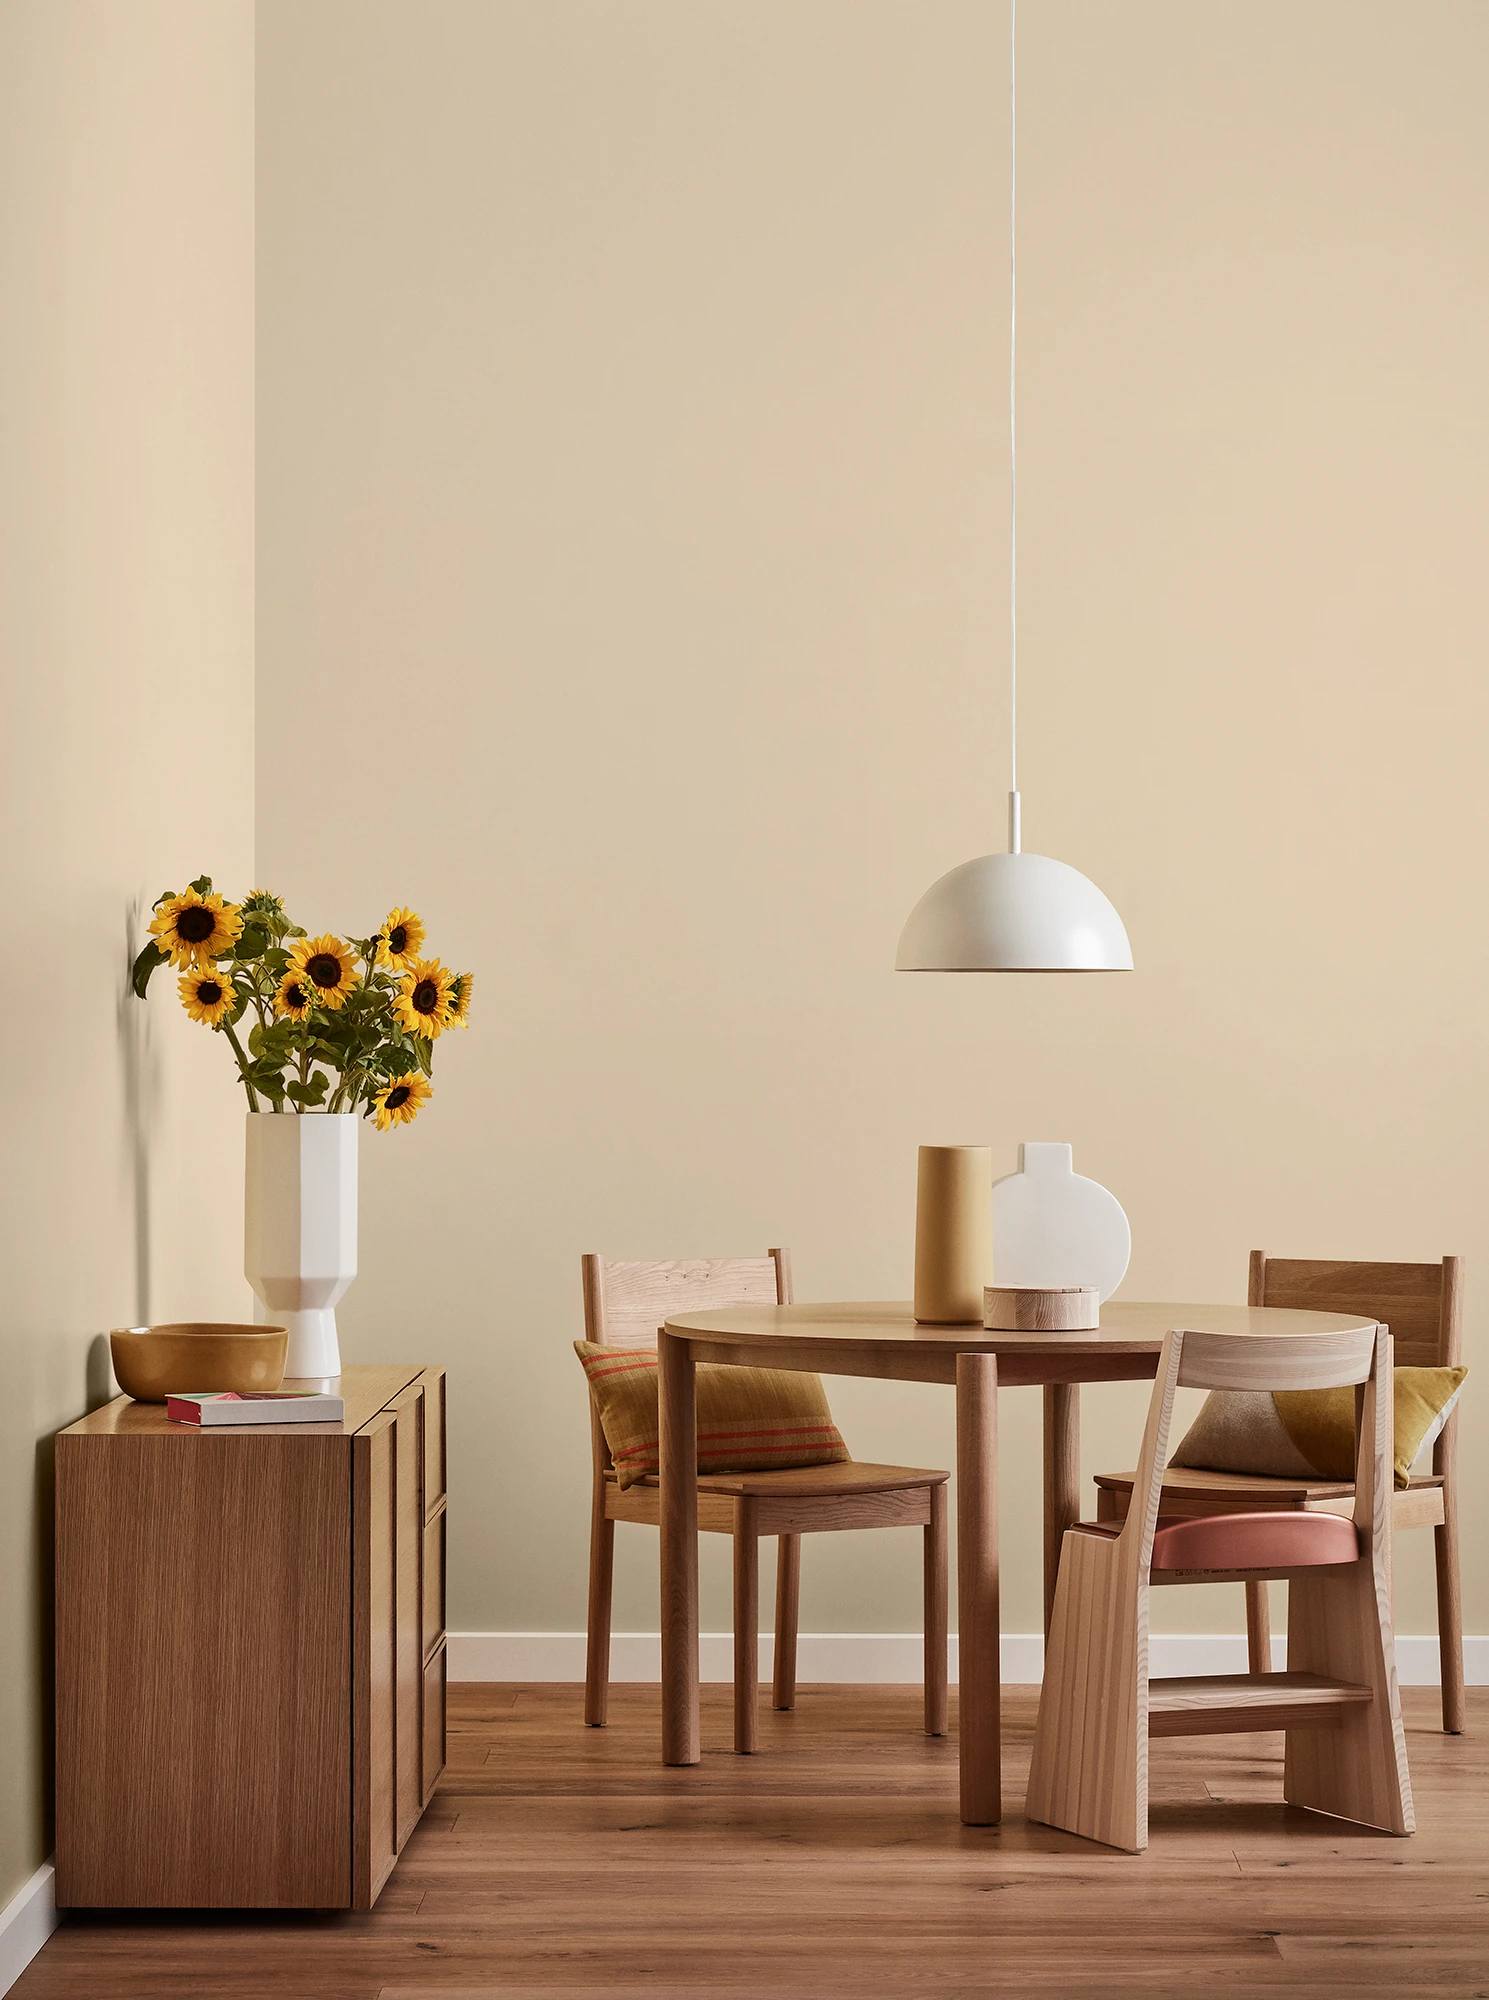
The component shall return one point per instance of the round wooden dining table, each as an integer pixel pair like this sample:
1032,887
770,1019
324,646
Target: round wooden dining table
885,1341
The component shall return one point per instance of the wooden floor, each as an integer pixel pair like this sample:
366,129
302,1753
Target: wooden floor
565,1862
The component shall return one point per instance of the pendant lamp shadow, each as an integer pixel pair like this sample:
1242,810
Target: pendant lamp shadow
1013,912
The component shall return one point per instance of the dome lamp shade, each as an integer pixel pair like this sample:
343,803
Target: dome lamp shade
1013,913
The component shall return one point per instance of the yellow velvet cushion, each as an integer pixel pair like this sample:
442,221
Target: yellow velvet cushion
749,1419
1310,1433
1321,1422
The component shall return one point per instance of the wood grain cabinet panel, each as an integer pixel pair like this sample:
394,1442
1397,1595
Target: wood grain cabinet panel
434,1722
434,1437
408,1619
434,1582
247,1712
375,1651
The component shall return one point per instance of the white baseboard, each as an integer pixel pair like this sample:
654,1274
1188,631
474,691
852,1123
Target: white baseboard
26,1922
885,1656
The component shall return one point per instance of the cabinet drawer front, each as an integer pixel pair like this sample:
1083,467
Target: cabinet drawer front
434,1723
434,1438
434,1582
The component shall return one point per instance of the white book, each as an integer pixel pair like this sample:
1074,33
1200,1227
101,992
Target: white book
263,1406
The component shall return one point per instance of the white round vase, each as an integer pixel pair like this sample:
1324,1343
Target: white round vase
300,1228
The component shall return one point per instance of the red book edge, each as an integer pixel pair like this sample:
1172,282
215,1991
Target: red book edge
188,1410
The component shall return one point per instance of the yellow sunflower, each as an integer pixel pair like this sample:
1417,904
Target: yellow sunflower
207,995
327,967
294,998
397,1103
423,1003
193,930
400,940
460,994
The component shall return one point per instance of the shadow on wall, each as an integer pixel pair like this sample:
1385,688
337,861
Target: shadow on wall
140,1094
140,1084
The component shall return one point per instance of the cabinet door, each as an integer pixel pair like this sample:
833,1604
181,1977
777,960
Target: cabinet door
408,1731
374,1656
388,1626
204,1628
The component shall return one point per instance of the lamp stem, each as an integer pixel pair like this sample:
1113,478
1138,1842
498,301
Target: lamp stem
1013,460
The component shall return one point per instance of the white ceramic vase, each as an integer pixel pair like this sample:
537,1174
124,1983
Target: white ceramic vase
300,1228
1053,1228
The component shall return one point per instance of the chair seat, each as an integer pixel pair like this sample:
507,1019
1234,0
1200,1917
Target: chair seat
1244,1541
1255,1541
1188,1490
854,1477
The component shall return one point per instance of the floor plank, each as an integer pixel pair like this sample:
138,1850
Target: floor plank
559,1863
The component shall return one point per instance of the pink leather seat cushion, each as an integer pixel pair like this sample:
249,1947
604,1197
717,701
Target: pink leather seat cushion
1255,1541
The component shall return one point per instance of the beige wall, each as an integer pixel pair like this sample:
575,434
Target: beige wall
126,636
632,601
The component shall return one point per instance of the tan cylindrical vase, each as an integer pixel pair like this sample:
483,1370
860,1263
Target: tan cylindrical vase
953,1234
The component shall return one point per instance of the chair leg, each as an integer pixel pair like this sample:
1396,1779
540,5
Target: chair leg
1258,1629
937,1595
597,1642
788,1599
1450,1613
1340,1626
746,1626
1089,1771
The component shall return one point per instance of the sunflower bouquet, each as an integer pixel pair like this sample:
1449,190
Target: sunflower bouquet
336,1023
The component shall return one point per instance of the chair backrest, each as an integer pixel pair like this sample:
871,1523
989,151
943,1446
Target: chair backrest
624,1304
1420,1303
1273,1361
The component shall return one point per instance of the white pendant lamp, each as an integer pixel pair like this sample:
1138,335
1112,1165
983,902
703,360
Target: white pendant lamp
1013,912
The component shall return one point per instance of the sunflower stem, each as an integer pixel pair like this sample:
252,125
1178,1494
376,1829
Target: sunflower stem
253,1103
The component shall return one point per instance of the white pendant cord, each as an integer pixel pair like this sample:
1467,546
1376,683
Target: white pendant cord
1014,831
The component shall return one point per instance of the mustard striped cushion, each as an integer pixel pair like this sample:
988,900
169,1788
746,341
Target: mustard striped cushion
749,1419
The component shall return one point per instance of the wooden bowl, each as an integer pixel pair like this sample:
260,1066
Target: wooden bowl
1031,1309
153,1362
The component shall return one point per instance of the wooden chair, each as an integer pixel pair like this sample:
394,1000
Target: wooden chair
1422,1306
624,1305
1338,1700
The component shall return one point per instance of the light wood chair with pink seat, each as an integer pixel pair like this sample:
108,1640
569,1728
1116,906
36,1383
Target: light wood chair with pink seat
624,1306
1338,1700
1422,1305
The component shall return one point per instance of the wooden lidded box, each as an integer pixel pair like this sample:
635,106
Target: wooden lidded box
250,1650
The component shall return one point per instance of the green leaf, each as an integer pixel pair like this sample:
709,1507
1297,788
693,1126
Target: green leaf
425,1053
252,943
151,957
313,1092
202,885
397,1062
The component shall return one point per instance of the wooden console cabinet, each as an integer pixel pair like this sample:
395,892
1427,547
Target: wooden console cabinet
250,1651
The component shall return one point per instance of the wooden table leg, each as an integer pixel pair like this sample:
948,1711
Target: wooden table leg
1062,1478
979,1689
676,1389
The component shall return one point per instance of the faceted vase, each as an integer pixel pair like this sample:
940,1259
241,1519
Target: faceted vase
300,1228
